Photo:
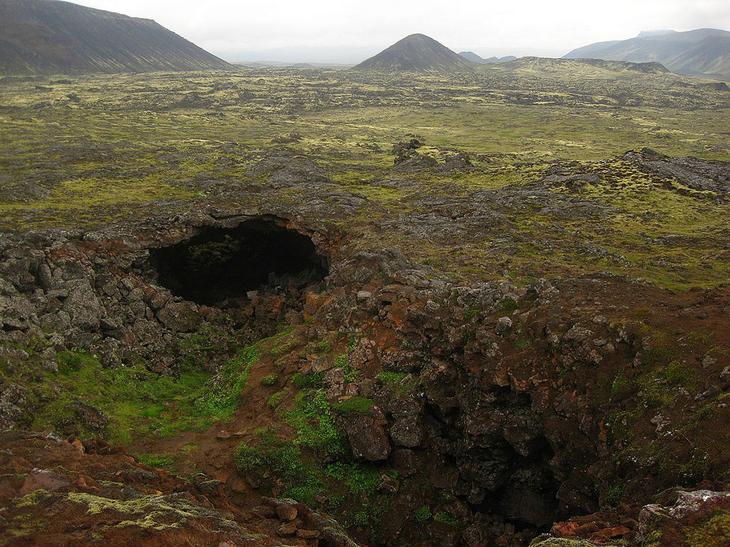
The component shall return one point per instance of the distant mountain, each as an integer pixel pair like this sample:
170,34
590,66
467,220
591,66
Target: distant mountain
471,56
416,53
474,58
703,52
49,36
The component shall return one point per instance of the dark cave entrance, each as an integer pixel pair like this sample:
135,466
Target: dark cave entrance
219,266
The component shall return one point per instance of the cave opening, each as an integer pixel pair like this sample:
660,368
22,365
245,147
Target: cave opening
220,266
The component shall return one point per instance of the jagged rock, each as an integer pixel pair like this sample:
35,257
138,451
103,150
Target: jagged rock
83,307
694,509
407,432
13,405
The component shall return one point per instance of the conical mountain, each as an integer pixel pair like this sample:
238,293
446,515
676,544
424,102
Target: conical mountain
47,36
417,53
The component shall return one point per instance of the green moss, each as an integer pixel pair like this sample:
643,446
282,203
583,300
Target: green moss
522,342
715,532
33,498
157,512
222,397
508,306
446,518
401,383
354,405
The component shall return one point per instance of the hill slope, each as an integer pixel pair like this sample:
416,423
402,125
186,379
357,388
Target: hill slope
417,53
45,36
702,52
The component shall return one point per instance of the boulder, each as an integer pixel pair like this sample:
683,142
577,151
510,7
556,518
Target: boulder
180,316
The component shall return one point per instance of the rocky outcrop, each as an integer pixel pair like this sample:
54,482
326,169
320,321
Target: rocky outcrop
59,492
100,293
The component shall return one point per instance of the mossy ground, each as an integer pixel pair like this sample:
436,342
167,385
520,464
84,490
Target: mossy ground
87,150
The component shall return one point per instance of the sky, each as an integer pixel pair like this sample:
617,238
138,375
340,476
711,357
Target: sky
344,31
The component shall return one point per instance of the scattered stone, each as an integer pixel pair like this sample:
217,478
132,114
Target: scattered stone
504,325
287,529
308,534
388,484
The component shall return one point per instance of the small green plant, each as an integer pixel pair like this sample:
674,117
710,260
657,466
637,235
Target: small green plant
342,361
273,460
621,386
222,397
361,518
522,342
314,423
612,497
508,306
422,514
323,346
269,380
680,374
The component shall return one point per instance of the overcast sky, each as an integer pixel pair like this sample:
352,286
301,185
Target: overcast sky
349,31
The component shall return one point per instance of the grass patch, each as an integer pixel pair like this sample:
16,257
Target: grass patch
135,400
163,461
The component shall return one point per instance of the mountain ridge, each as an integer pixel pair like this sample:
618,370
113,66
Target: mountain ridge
700,52
47,36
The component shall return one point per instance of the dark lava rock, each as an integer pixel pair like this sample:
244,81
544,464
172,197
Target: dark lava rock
285,169
702,175
368,437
